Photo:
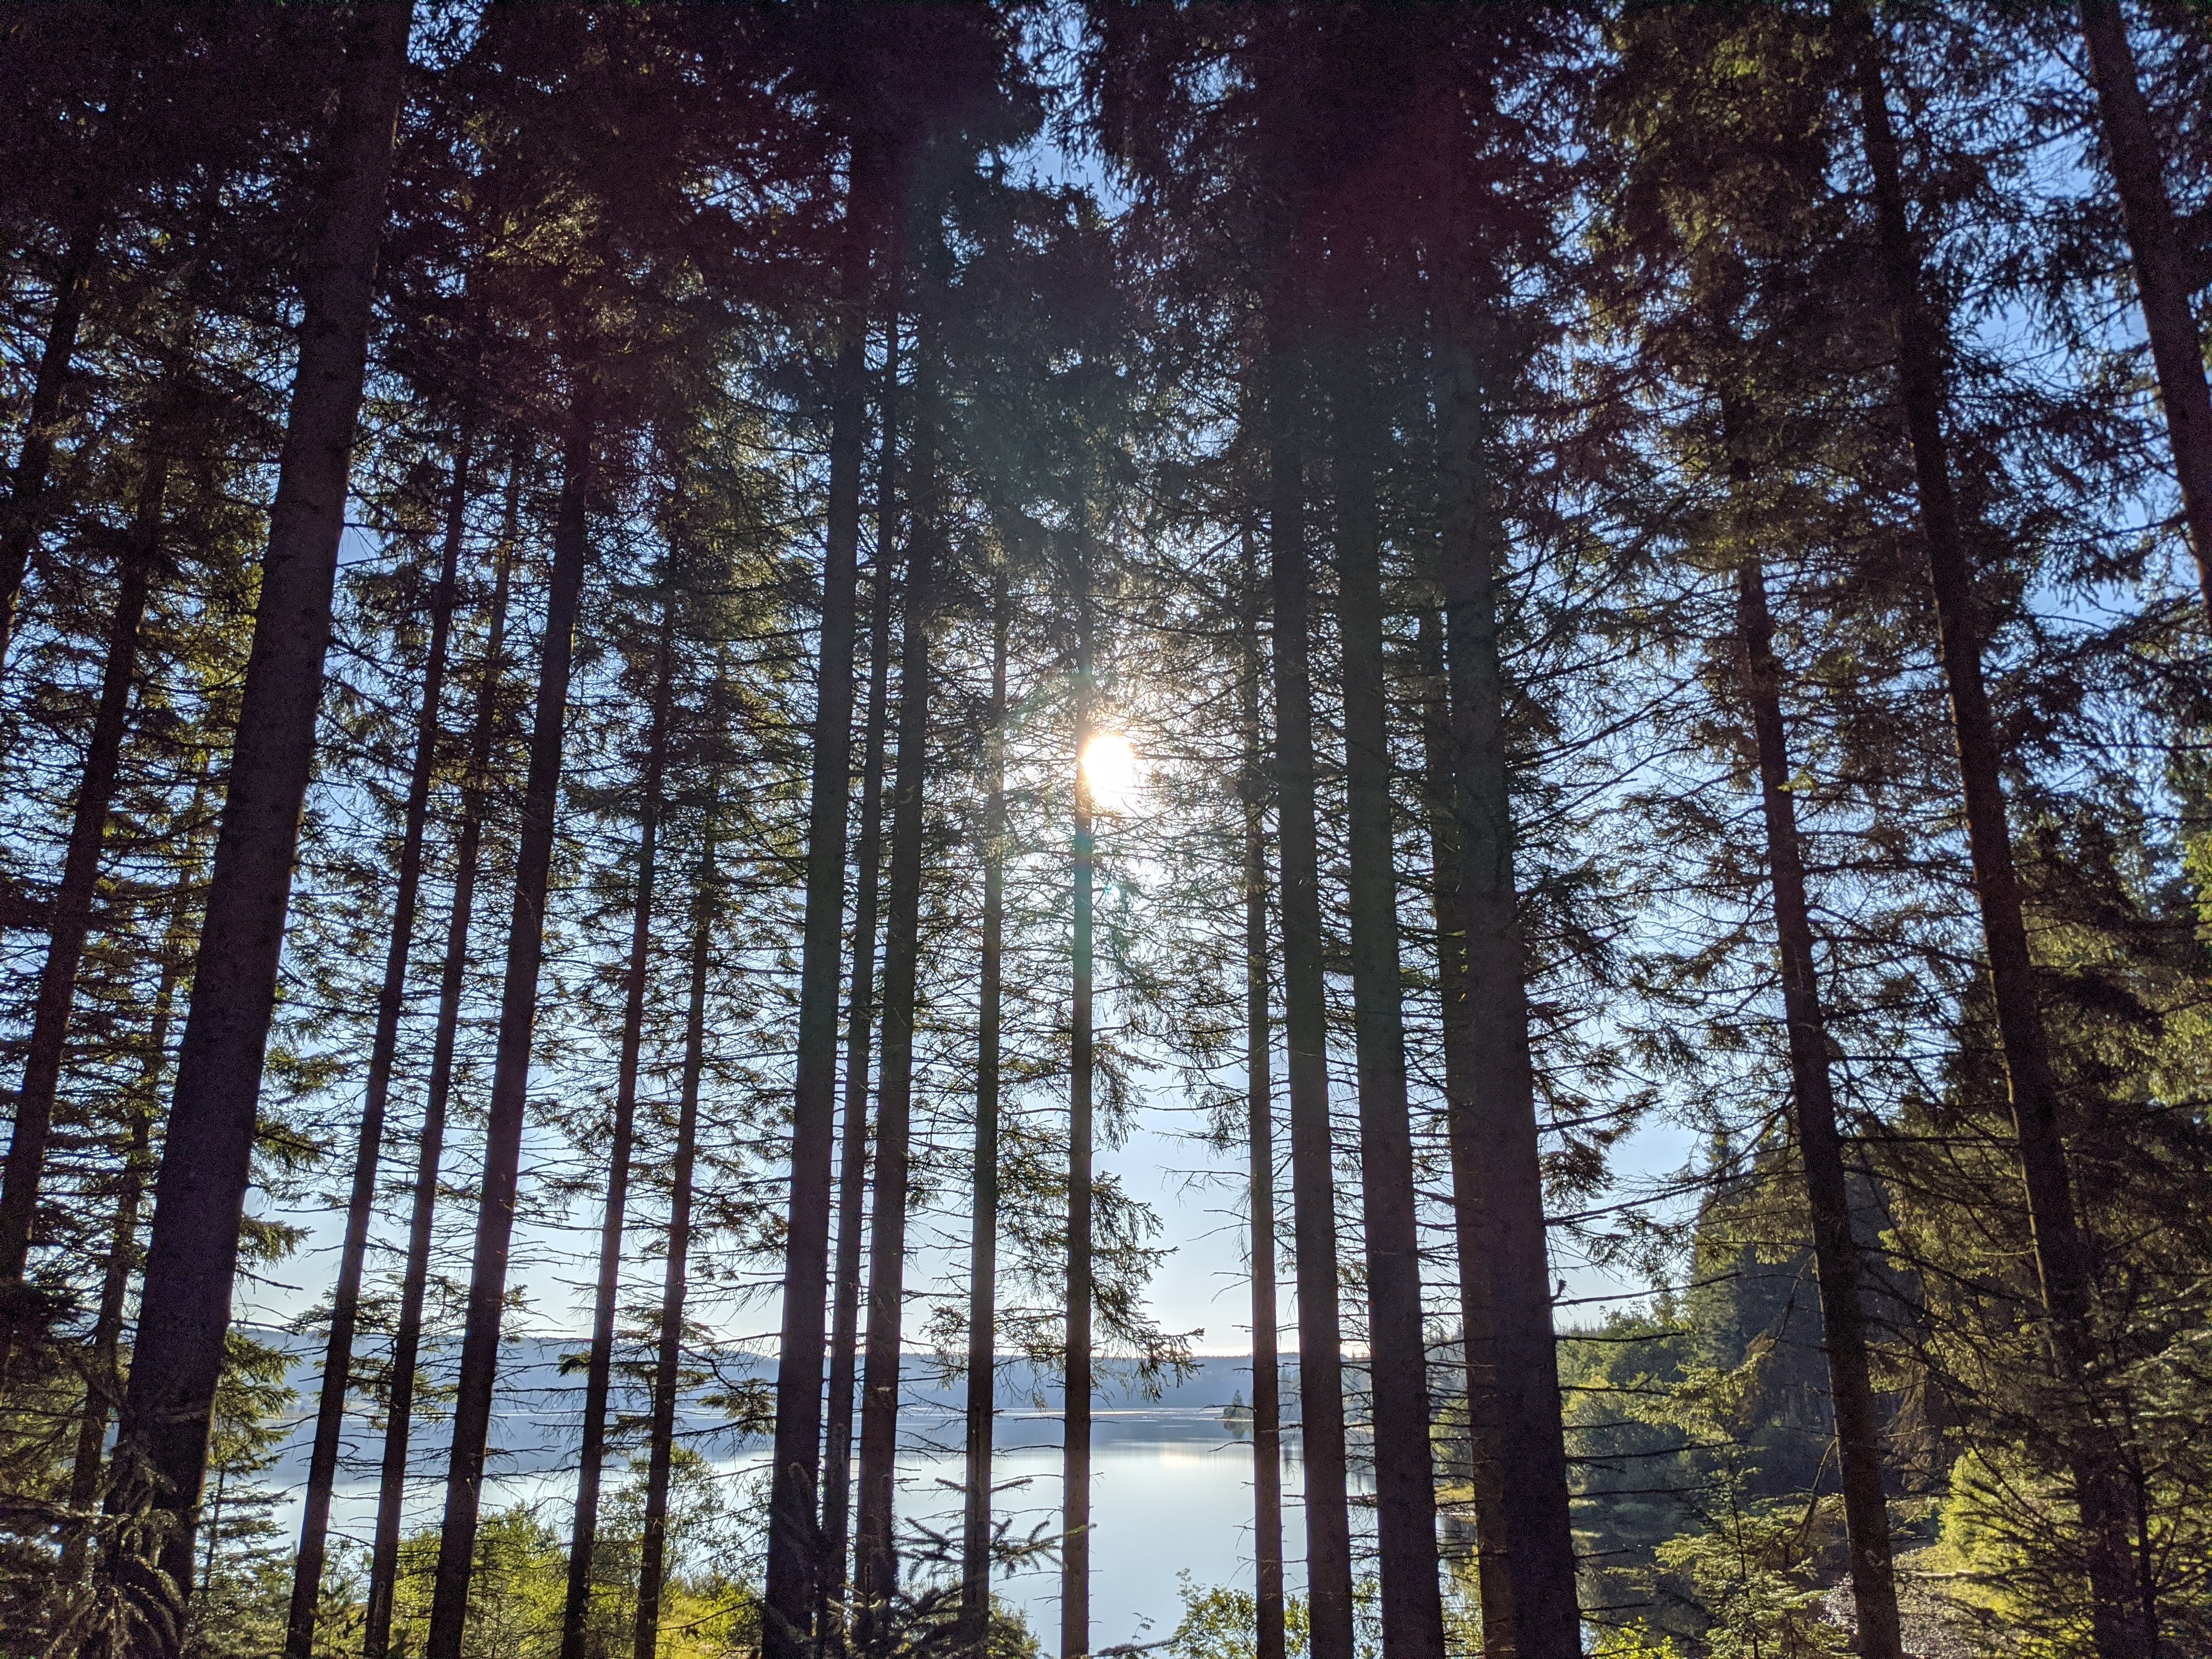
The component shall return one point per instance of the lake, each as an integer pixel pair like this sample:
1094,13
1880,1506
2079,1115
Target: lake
1172,1491
1171,1494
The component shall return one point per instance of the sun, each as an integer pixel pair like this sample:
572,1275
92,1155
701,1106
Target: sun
1109,768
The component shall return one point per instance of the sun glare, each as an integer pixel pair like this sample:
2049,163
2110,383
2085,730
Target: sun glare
1109,768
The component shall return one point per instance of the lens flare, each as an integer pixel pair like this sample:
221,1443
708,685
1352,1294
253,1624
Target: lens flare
1109,768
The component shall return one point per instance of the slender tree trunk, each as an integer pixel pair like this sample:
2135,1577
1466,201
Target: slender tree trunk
199,1194
876,1576
1305,1028
666,1371
1539,1541
406,1347
1260,1116
794,1541
23,518
1819,1143
853,1168
104,1387
1075,1387
983,1213
1486,1453
391,1002
2062,1250
583,1537
1281,374
70,913
472,1406
1405,1476
2155,249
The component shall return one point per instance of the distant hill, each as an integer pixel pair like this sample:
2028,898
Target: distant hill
535,1425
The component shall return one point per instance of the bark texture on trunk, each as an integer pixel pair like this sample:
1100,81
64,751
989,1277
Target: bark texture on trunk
1075,1382
2061,1250
384,1045
1819,1143
430,1140
70,913
860,1024
1305,1027
983,1212
794,1538
1538,1540
876,1564
1487,1452
23,519
200,1193
1259,1117
1405,1475
518,1015
2156,250
667,1369
584,1529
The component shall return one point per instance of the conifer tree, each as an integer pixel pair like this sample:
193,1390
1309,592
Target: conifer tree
859,1021
983,1212
1076,1374
338,1361
201,1188
584,1529
430,1137
668,1359
497,1190
875,1578
2062,1252
1259,1114
2157,248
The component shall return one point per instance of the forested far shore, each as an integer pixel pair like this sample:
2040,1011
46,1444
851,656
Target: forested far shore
835,830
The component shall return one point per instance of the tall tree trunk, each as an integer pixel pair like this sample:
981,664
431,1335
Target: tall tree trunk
1259,1117
391,1002
1819,1143
70,913
431,1142
200,1193
1487,1452
876,1575
518,1015
1405,1476
983,1213
2062,1250
1280,377
2155,249
1076,1382
583,1536
104,1385
1305,1030
794,1531
1538,1540
23,518
667,1363
853,1165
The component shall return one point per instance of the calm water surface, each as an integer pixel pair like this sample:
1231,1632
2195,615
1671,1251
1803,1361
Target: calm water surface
1171,1494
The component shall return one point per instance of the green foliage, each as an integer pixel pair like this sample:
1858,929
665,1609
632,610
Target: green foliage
1706,1504
708,1609
1222,1621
